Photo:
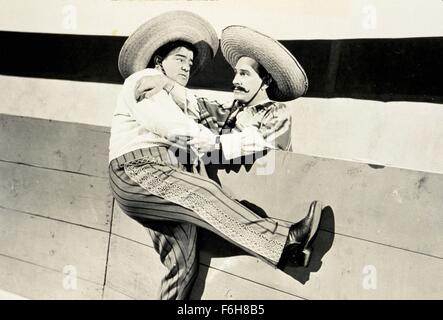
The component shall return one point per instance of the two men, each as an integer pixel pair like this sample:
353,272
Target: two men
172,197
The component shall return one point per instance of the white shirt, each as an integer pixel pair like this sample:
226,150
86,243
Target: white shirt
148,123
156,121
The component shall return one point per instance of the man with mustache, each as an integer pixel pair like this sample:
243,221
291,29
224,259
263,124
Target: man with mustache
256,119
252,122
170,195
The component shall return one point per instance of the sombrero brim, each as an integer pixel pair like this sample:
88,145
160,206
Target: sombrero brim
171,26
290,80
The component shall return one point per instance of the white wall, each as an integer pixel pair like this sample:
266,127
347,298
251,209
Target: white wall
399,134
282,19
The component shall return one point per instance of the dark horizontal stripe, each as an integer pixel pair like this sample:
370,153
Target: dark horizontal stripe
378,69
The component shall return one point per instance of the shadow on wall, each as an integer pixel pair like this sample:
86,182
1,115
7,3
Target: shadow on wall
219,247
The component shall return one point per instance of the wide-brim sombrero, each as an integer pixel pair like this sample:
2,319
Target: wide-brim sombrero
290,80
171,26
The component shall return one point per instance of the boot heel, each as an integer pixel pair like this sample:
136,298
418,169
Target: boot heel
304,257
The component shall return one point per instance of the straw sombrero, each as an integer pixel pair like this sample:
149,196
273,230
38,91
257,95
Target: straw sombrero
171,26
290,80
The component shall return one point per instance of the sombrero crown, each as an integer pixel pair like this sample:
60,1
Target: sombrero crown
171,26
290,80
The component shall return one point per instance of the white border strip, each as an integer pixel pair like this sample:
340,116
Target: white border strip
281,19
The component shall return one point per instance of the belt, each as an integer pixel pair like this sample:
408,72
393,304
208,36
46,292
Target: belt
172,156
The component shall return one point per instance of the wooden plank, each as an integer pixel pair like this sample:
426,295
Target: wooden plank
331,273
134,270
126,227
60,195
212,284
54,144
36,282
5,295
341,268
53,244
122,225
385,205
398,207
336,272
111,294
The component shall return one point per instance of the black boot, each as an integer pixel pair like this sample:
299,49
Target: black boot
298,247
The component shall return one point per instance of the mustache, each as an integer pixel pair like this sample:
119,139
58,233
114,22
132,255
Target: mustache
240,88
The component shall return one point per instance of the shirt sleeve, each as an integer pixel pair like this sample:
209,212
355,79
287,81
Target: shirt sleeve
207,112
213,114
159,114
272,132
243,143
276,127
193,108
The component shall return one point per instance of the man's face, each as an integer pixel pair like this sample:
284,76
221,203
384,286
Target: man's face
246,81
177,65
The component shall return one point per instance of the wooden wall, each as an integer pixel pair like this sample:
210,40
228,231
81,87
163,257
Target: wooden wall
63,238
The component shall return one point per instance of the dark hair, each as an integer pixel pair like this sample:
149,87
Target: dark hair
164,50
264,74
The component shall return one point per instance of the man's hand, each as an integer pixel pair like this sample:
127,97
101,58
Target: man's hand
204,142
253,141
148,86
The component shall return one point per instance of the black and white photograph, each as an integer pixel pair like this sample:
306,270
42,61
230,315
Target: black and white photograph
221,150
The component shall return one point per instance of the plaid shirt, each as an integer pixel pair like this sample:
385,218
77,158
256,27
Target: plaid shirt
272,120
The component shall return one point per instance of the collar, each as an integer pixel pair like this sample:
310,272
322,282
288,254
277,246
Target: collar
261,105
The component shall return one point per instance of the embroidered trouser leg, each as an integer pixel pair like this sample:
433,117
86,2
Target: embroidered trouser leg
150,191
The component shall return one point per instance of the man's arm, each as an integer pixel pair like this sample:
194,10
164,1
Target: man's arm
276,127
272,132
213,114
158,114
210,113
149,85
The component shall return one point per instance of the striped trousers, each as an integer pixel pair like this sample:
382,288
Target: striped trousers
153,188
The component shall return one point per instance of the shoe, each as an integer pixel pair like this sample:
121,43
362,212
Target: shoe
298,247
